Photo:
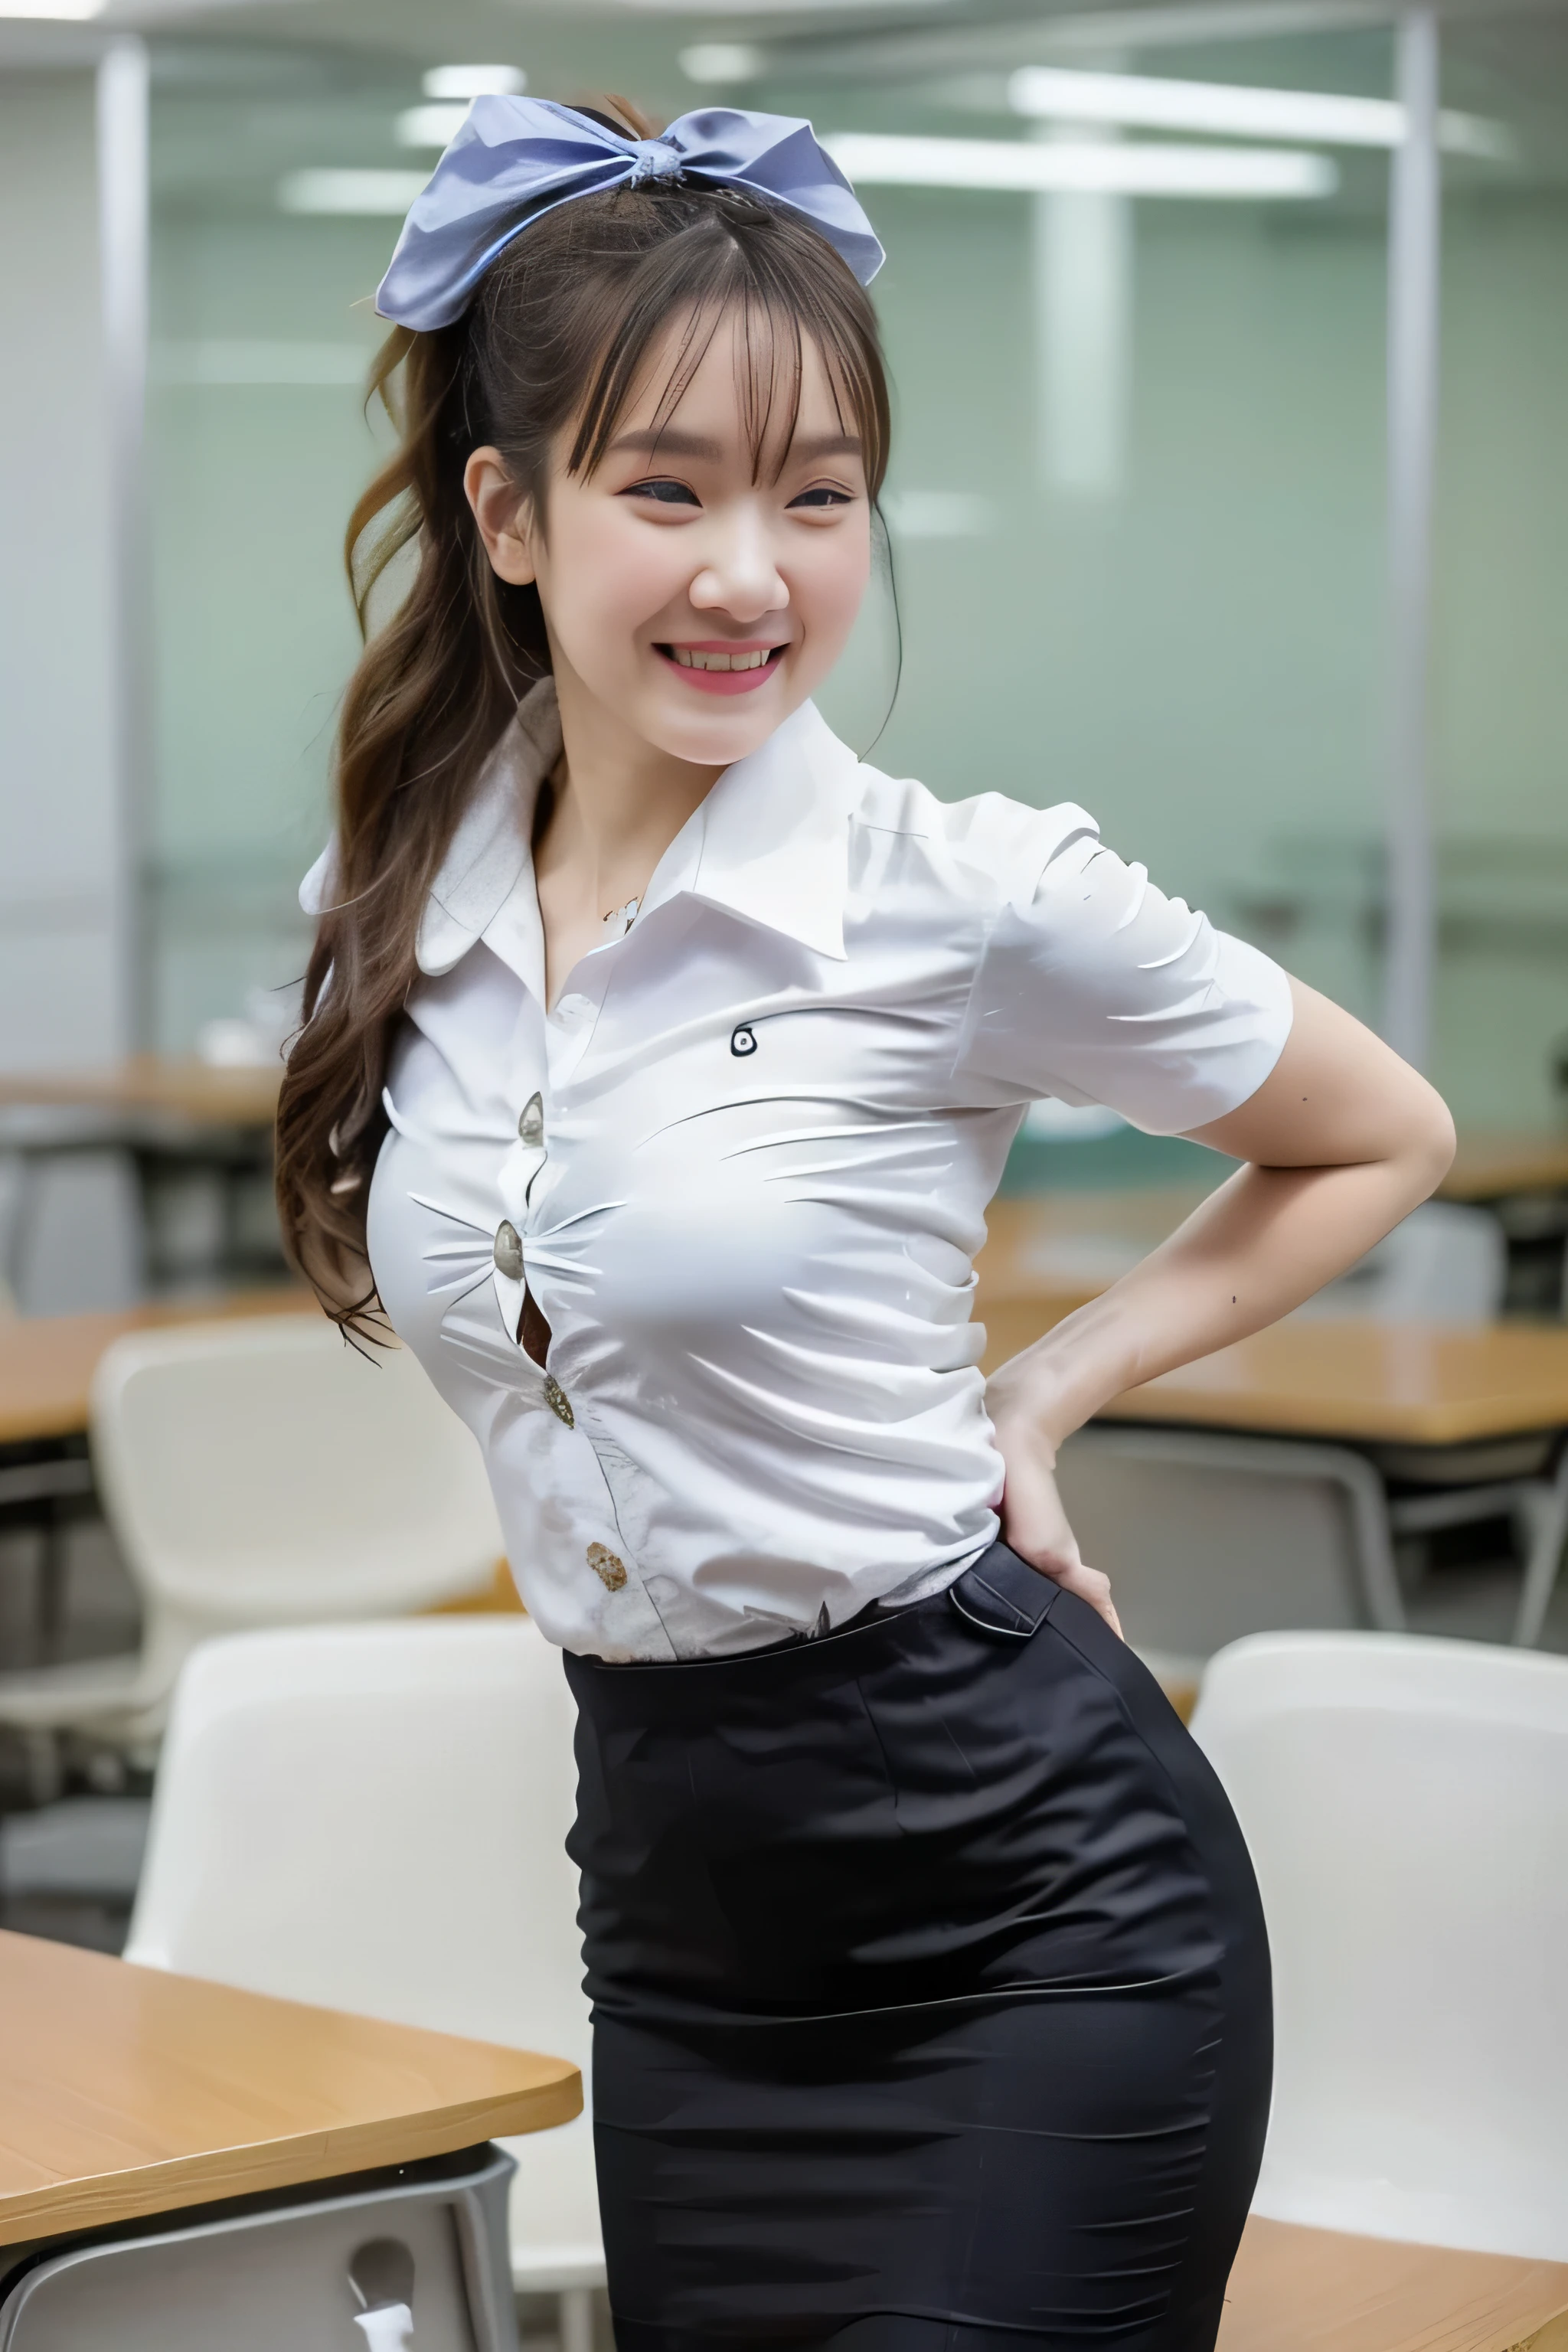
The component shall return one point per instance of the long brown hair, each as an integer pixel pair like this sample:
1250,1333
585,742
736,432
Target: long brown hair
543,364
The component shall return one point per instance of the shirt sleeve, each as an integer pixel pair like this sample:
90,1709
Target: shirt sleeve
1094,987
320,887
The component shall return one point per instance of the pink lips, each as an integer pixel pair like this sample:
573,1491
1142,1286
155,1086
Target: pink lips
723,681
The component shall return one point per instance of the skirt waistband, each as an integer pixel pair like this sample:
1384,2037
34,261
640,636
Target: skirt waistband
1000,1595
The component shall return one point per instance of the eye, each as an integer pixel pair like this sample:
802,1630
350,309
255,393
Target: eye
823,495
664,493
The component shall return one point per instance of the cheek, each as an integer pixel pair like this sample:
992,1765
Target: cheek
606,577
831,584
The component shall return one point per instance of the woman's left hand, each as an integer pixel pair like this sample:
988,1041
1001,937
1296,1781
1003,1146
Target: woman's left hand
1035,1525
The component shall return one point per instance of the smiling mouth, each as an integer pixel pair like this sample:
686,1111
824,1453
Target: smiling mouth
707,658
723,669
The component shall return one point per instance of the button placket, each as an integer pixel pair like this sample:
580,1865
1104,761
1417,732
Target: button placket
568,1030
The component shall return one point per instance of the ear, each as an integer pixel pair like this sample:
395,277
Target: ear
503,515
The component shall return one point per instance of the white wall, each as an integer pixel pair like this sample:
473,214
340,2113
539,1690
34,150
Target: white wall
60,860
64,922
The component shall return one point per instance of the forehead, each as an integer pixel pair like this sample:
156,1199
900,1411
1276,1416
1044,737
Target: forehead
741,375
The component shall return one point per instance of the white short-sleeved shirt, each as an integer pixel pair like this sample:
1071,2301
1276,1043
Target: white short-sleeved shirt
743,1167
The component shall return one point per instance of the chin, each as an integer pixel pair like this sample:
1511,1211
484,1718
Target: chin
720,736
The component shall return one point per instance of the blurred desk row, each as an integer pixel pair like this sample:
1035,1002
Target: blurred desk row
1405,1383
182,1125
1278,1482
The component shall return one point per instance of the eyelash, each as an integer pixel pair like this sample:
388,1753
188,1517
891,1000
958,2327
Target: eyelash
822,496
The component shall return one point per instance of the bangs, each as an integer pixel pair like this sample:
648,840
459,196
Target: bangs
782,294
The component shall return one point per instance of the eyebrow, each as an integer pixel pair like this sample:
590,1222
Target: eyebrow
673,443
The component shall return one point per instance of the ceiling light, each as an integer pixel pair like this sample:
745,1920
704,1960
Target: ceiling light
719,61
55,11
1053,93
767,7
869,158
385,193
474,82
430,126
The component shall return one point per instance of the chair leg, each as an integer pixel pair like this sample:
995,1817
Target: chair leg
577,2319
53,1568
44,1766
1543,1559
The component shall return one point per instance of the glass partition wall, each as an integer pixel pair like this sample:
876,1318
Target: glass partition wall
1136,310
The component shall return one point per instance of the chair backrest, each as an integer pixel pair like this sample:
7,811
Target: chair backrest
1207,1537
1445,1263
1405,1802
262,1471
374,1817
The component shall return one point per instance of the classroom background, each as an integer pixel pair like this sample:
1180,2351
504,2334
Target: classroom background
1229,346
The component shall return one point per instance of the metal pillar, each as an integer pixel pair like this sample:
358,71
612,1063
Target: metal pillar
1415,232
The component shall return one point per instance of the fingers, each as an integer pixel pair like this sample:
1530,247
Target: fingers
1090,1584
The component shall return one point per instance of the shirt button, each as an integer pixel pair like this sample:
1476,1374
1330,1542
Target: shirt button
560,1403
607,1566
531,1125
508,1252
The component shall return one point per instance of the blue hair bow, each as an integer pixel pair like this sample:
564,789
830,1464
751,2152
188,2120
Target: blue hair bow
516,158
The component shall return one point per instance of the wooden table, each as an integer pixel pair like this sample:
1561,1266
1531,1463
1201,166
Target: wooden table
1476,1416
1492,1164
171,1119
1066,1247
126,2091
1479,1413
281,2153
48,1362
179,1087
1048,1253
1296,2290
1410,1384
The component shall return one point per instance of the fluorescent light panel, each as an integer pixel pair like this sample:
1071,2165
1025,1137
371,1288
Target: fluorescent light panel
721,61
56,12
431,126
474,82
1226,110
871,158
367,194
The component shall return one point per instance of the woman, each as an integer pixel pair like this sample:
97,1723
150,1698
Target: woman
661,1061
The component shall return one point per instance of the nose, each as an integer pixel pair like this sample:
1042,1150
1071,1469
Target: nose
740,575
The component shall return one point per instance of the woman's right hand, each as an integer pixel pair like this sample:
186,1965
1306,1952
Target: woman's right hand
1035,1525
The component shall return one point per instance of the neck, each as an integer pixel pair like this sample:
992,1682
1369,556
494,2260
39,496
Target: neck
618,801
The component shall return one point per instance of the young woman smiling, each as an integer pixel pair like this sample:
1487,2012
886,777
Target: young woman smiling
661,1060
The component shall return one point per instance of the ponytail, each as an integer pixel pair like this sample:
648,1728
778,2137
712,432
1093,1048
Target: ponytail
431,693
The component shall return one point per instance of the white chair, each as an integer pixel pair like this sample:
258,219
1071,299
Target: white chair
261,1472
373,1818
1406,1802
1207,1537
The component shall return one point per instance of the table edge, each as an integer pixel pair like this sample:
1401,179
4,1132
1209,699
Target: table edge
298,2159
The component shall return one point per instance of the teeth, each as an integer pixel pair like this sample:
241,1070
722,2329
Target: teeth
718,661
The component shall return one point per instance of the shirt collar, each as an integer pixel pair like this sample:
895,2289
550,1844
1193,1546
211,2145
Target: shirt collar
770,843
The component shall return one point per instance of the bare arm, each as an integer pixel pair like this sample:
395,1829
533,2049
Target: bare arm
1341,1140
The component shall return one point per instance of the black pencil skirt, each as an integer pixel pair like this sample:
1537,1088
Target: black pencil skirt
931,1989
